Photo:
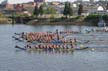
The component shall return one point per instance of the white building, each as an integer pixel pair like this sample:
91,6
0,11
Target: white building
98,10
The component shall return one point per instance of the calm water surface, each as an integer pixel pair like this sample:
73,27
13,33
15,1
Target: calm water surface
12,59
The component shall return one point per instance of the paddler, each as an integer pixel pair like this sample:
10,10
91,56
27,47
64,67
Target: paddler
71,43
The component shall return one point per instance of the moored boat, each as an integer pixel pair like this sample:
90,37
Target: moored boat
20,47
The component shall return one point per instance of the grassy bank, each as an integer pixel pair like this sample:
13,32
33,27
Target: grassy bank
58,21
90,20
93,19
5,21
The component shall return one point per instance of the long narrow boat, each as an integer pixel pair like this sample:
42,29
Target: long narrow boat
61,49
18,39
35,42
22,40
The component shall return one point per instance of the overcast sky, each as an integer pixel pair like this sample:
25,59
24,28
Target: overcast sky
21,1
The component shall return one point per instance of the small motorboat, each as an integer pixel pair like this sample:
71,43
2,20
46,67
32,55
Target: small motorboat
20,47
81,47
101,23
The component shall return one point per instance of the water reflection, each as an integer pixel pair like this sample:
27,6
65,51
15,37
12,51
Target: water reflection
59,52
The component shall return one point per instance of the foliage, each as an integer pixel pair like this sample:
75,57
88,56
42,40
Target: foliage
105,17
36,11
65,12
94,18
41,10
80,9
4,19
70,10
50,10
67,9
2,15
106,6
44,4
20,15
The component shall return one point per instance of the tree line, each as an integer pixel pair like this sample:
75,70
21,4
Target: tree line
67,12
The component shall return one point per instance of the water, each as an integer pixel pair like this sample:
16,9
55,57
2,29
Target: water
12,59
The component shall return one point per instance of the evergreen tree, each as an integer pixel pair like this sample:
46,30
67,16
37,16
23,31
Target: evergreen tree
107,6
70,10
65,12
36,11
41,10
80,10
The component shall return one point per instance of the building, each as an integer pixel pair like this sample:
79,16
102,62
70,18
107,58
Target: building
56,3
99,10
79,1
4,2
23,8
39,0
29,7
91,1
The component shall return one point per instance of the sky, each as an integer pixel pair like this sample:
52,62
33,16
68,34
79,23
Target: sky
22,1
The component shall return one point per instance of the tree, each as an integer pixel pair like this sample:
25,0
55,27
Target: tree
68,9
106,6
80,10
50,10
65,12
41,10
36,11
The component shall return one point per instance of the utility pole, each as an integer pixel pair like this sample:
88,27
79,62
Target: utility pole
57,34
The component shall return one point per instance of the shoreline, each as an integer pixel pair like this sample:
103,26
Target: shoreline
79,23
47,24
62,23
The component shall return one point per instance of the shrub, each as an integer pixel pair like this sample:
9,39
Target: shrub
93,19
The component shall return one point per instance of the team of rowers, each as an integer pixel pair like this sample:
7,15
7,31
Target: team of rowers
40,37
50,50
51,46
45,37
53,49
45,40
